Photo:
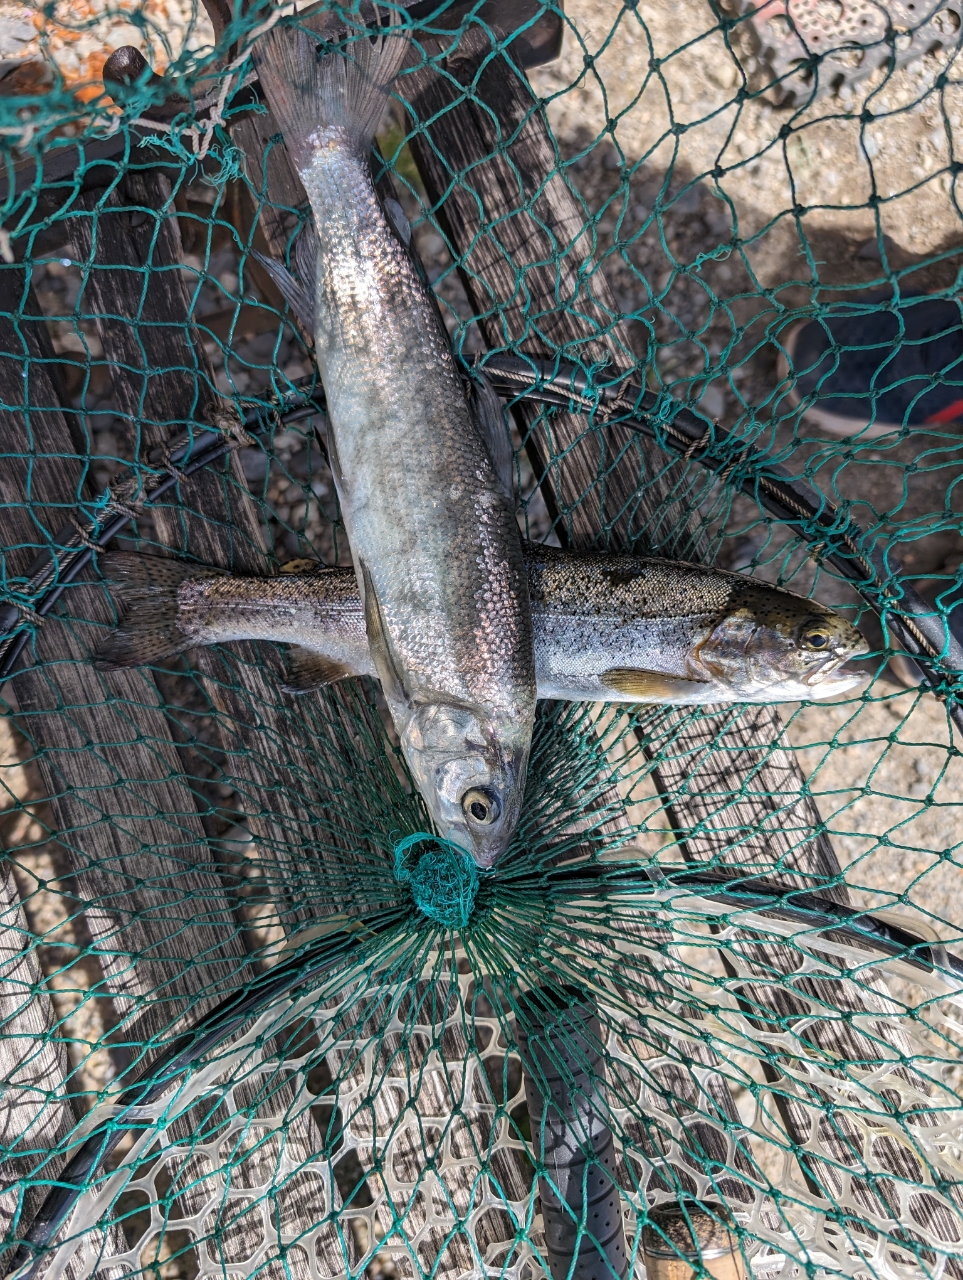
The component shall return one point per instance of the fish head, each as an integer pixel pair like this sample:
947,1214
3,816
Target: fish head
772,645
471,772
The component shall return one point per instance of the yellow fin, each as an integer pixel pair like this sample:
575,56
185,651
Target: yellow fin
650,686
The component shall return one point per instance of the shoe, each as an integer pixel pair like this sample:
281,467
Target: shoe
866,376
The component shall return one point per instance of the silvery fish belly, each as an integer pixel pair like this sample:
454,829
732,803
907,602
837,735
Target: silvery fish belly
432,532
612,628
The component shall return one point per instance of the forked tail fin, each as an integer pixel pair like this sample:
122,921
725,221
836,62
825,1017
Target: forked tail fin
310,90
148,588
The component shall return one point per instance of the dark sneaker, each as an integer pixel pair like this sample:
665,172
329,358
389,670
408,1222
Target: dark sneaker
873,367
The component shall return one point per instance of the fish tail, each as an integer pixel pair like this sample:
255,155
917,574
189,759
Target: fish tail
155,623
309,89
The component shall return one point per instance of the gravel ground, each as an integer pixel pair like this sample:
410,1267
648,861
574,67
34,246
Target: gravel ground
889,791
77,36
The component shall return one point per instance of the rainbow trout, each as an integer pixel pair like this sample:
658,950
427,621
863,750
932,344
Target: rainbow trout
434,539
613,628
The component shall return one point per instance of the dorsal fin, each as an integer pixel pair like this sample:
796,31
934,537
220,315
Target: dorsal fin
379,643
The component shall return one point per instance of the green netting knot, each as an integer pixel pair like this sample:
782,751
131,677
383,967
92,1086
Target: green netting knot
443,880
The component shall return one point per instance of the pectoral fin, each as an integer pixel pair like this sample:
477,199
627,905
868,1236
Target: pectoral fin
489,419
652,686
308,671
293,292
379,643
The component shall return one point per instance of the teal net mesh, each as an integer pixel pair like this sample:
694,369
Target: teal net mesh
255,1020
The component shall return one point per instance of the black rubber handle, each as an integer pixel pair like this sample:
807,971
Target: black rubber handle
560,1045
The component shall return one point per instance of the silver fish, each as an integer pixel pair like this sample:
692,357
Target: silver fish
432,528
612,628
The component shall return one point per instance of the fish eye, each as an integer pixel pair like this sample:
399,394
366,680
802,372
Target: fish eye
480,806
817,638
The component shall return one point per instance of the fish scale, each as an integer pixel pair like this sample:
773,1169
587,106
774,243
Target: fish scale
432,530
606,628
438,538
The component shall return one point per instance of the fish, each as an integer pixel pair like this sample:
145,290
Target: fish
435,543
607,627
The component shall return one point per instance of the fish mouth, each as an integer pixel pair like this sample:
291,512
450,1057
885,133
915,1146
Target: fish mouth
835,677
483,856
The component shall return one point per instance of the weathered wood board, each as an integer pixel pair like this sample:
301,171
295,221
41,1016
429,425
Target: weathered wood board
520,235
165,933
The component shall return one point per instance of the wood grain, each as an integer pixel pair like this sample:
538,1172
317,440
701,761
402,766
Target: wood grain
168,384
164,933
120,804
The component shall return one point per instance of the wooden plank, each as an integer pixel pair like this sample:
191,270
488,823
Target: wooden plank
258,137
167,384
112,776
712,1095
164,931
486,216
529,275
144,322
736,795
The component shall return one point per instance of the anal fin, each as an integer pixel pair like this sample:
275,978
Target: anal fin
652,686
307,671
